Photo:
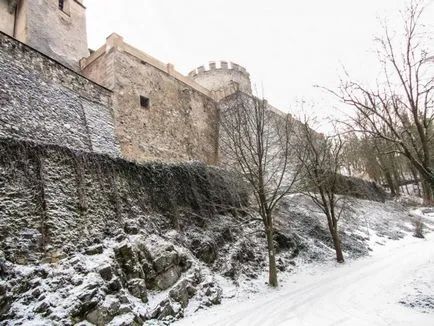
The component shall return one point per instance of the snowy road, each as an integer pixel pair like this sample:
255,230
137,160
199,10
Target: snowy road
362,292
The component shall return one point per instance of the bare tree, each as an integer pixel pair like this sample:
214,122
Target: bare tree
399,110
320,159
255,141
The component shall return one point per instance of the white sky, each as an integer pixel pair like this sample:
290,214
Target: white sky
287,46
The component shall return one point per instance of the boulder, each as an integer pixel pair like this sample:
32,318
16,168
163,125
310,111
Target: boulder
94,250
124,252
128,261
166,260
205,250
106,272
163,310
126,319
162,264
244,254
88,299
213,293
42,308
227,234
105,312
183,292
131,227
5,302
137,288
114,285
168,278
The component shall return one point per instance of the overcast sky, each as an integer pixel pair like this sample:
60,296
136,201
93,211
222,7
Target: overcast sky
287,46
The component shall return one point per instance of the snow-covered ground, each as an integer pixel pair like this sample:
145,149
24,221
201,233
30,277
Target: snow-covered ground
393,286
388,277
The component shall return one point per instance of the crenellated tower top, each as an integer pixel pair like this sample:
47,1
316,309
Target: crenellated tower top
222,78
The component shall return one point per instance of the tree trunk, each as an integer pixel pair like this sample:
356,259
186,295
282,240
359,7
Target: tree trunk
333,228
428,190
389,180
427,178
403,178
395,176
416,179
272,280
337,245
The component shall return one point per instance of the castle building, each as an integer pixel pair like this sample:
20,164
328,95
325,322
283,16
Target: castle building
159,113
56,28
148,110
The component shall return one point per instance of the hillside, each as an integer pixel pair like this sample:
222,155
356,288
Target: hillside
393,286
126,244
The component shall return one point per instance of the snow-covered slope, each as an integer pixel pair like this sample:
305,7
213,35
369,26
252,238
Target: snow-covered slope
155,276
393,286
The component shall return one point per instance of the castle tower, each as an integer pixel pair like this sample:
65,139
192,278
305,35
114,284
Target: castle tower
56,28
222,78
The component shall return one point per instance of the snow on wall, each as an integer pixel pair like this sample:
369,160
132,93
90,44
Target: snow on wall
54,200
43,101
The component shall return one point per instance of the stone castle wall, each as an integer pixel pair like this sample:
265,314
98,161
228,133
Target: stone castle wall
54,200
60,34
7,17
181,122
43,101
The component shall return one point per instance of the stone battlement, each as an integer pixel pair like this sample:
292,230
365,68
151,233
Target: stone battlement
222,78
117,41
218,65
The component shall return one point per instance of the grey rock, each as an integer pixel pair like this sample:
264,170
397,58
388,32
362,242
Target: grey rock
128,261
227,234
124,251
36,293
213,292
114,285
42,307
106,272
131,227
88,299
104,313
184,262
244,254
183,292
5,300
168,278
166,260
127,319
3,289
137,288
163,310
205,250
94,250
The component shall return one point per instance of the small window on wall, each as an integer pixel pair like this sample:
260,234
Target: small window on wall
144,102
64,5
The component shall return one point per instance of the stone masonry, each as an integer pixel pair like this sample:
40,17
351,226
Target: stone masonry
181,120
55,28
144,111
222,78
43,101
